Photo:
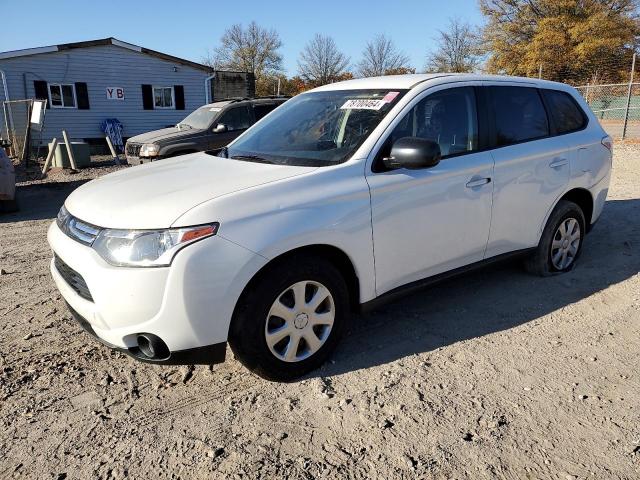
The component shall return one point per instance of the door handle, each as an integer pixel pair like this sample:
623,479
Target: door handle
478,182
558,162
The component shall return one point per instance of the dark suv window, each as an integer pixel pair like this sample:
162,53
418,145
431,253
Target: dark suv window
237,118
261,109
567,115
519,115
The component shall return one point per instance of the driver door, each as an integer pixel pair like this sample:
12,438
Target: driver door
236,120
436,219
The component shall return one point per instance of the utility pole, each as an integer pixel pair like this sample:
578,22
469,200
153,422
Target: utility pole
626,111
540,71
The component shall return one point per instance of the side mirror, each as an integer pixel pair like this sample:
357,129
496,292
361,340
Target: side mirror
413,153
220,128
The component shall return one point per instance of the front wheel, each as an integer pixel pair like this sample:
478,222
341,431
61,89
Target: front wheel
561,241
290,319
8,206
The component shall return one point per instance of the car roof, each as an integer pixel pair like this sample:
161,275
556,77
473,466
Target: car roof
409,81
402,82
228,101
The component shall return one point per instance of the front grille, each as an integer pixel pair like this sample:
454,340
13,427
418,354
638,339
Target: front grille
73,278
133,149
80,231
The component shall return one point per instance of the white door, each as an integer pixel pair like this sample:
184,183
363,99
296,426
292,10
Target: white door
531,168
432,220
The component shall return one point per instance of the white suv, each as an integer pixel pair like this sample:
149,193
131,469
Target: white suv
344,196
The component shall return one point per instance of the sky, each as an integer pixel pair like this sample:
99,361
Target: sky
188,29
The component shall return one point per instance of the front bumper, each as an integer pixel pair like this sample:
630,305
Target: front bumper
207,355
188,305
133,160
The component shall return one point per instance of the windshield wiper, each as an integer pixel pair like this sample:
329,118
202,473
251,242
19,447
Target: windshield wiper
251,158
180,125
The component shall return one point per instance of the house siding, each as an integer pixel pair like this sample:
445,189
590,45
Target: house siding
101,67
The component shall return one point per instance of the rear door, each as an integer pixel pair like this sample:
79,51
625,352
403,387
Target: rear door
236,120
589,160
531,167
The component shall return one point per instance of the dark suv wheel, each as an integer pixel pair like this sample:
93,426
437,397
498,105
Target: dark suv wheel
290,319
8,206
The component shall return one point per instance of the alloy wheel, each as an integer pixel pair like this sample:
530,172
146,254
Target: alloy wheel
299,321
565,243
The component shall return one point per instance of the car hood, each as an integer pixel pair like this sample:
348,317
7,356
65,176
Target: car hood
165,135
156,194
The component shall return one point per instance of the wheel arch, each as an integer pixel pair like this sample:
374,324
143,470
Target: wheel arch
333,254
583,198
180,151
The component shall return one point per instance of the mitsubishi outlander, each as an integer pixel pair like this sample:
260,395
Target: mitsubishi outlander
343,196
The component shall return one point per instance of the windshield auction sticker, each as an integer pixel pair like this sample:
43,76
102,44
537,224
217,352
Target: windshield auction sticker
390,97
363,104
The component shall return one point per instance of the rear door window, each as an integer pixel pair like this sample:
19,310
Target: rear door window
567,115
519,115
237,118
262,109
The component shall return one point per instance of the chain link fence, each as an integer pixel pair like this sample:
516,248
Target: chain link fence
617,106
610,86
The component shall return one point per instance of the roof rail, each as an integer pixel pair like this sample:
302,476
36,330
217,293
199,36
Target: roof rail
242,99
271,96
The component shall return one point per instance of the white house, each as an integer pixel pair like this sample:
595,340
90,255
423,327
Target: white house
86,82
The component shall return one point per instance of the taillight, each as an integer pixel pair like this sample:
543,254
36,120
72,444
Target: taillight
608,143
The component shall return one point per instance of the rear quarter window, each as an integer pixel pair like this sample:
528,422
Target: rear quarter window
565,111
519,115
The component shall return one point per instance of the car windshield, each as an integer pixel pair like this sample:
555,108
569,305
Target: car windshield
200,118
316,128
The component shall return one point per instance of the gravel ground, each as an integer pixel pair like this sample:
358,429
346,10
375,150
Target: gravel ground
494,374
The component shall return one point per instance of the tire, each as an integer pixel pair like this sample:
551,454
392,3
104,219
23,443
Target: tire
274,291
8,206
557,252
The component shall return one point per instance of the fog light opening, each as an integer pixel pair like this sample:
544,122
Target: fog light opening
152,346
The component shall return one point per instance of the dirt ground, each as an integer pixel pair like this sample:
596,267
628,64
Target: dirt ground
496,374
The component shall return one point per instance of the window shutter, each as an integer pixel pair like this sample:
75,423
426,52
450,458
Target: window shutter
42,92
178,92
82,96
147,97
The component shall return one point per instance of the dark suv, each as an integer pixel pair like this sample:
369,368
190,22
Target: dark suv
209,127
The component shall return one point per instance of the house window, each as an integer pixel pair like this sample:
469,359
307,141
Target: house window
163,97
62,95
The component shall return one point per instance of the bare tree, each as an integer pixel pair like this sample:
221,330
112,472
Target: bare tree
458,49
380,57
321,62
254,50
212,59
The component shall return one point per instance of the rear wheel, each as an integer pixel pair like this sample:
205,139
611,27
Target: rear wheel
290,319
561,241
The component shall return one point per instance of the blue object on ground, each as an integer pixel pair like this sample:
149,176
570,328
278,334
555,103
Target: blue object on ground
113,128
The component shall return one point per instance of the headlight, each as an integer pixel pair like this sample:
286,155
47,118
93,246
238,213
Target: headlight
149,150
147,248
61,220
